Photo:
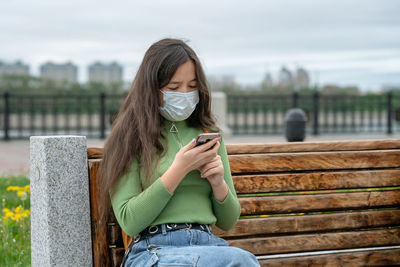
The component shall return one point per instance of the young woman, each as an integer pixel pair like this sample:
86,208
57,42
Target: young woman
165,191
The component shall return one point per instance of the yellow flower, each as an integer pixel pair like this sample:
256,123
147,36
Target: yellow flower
16,217
26,188
18,209
22,194
7,215
26,213
12,188
18,213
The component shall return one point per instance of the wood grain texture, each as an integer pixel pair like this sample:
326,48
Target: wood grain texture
320,146
126,239
101,253
350,145
311,223
387,257
256,163
117,254
115,237
320,180
297,166
95,152
318,202
318,242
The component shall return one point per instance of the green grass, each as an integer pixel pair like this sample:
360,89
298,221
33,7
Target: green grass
15,236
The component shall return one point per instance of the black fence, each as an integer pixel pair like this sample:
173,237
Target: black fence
38,114
326,114
92,115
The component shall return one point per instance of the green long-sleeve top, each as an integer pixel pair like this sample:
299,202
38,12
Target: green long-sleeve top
192,201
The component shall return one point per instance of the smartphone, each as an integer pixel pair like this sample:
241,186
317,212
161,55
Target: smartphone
205,137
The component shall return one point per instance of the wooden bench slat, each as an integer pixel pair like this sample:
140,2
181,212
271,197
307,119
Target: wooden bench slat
93,167
318,202
117,254
319,146
95,152
101,251
317,242
363,258
284,182
308,223
302,166
256,163
115,235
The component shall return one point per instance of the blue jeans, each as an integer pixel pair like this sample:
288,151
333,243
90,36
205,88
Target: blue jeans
188,247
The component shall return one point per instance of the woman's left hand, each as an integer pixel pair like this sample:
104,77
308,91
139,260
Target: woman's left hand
213,171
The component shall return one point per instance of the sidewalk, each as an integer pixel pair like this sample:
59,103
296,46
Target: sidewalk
14,155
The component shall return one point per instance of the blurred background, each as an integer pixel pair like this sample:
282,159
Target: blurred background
65,67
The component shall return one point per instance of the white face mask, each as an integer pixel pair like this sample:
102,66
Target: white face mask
179,106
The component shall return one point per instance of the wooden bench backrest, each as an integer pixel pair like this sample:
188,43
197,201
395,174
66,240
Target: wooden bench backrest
301,197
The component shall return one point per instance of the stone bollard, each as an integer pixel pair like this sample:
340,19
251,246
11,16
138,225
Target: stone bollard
60,202
219,110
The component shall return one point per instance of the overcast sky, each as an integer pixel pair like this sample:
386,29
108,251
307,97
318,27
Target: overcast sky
342,42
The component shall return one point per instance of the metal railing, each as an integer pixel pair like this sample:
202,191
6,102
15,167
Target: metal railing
265,114
39,114
92,114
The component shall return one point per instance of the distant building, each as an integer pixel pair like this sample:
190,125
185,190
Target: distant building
105,73
267,82
285,78
302,79
59,72
17,68
218,83
389,87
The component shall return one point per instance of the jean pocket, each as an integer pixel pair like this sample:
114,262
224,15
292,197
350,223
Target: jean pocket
177,259
143,259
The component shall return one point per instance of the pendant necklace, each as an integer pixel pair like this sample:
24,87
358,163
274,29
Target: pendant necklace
174,130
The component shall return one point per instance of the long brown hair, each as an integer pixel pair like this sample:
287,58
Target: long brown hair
136,131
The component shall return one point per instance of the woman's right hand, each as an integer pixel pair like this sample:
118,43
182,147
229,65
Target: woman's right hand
190,157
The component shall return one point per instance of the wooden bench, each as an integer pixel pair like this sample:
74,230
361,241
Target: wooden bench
302,203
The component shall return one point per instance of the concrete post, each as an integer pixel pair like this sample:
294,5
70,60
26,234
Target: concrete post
220,109
60,202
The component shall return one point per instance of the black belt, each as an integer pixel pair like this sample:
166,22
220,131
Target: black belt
156,229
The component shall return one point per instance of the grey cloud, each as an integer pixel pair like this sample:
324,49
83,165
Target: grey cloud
220,31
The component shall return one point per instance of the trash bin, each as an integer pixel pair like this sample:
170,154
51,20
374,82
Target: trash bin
295,122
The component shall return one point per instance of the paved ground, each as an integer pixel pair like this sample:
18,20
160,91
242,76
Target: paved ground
14,155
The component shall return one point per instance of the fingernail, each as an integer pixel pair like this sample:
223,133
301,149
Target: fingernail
219,138
194,140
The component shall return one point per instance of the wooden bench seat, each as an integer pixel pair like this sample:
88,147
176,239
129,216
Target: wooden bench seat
302,203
